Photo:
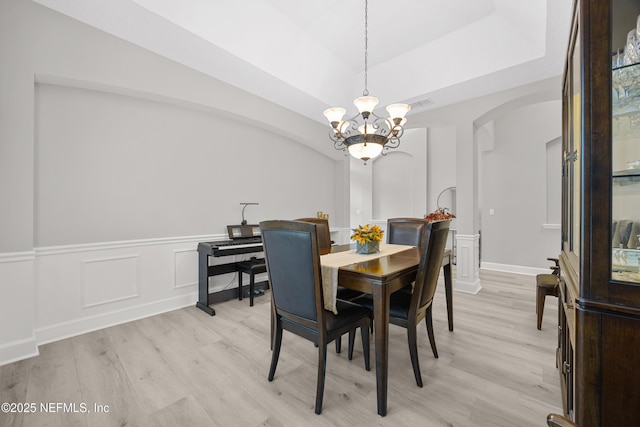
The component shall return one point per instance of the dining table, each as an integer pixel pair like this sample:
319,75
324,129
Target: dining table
380,276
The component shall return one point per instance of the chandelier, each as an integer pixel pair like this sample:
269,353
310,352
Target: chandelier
366,134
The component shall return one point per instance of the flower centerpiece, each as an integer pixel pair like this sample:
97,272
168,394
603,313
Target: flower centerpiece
439,214
367,238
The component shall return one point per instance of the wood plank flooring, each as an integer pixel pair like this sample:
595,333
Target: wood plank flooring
184,368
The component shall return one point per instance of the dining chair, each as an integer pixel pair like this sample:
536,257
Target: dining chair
324,243
324,233
408,309
293,266
324,246
406,231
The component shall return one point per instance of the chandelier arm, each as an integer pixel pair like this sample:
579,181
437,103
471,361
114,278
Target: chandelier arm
399,131
334,136
380,124
392,143
343,132
340,145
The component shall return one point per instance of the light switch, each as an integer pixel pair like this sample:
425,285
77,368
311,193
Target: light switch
492,212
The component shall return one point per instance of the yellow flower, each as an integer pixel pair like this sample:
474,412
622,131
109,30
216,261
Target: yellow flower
367,233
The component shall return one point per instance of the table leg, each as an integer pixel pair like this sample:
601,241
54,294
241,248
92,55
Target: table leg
381,328
448,292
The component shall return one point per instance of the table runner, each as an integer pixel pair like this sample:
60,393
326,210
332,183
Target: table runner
332,262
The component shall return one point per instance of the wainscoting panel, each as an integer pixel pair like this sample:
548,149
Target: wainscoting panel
17,340
108,280
81,288
467,264
183,262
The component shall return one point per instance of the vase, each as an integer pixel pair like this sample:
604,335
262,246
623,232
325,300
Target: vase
367,248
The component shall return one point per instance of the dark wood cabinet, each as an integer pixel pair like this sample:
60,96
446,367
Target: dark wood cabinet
598,355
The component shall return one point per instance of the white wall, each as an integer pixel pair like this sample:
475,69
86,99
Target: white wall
514,186
115,163
394,185
441,166
111,167
472,122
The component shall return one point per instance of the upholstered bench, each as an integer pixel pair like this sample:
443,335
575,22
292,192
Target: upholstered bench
251,267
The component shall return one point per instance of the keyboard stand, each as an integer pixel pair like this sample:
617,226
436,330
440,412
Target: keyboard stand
209,249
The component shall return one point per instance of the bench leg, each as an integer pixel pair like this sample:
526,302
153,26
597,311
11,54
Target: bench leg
240,285
251,286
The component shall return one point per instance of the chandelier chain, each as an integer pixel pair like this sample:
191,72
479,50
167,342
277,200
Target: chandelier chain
366,46
366,135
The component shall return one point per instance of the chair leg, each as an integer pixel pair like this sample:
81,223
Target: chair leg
277,342
273,323
432,338
338,345
540,296
322,368
364,331
413,352
352,340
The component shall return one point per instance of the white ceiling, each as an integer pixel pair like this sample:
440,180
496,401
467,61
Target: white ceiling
309,55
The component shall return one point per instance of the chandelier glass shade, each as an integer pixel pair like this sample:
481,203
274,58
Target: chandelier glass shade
366,134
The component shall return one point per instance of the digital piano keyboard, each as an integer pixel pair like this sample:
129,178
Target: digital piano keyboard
232,247
243,239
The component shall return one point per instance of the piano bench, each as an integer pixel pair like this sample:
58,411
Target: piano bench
251,267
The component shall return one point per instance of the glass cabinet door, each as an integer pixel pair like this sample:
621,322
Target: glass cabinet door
572,148
575,149
625,147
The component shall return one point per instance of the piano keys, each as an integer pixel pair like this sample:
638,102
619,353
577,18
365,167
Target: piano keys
233,247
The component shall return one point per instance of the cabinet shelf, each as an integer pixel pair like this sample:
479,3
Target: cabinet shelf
628,173
626,177
625,85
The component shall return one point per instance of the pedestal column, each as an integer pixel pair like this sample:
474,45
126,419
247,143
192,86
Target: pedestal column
467,263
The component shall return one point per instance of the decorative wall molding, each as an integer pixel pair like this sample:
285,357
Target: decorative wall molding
111,279
17,256
181,276
85,247
82,288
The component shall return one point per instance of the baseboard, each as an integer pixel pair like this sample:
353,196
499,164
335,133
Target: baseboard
89,324
467,287
508,268
93,323
18,350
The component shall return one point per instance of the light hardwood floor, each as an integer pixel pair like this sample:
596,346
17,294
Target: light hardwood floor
184,368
